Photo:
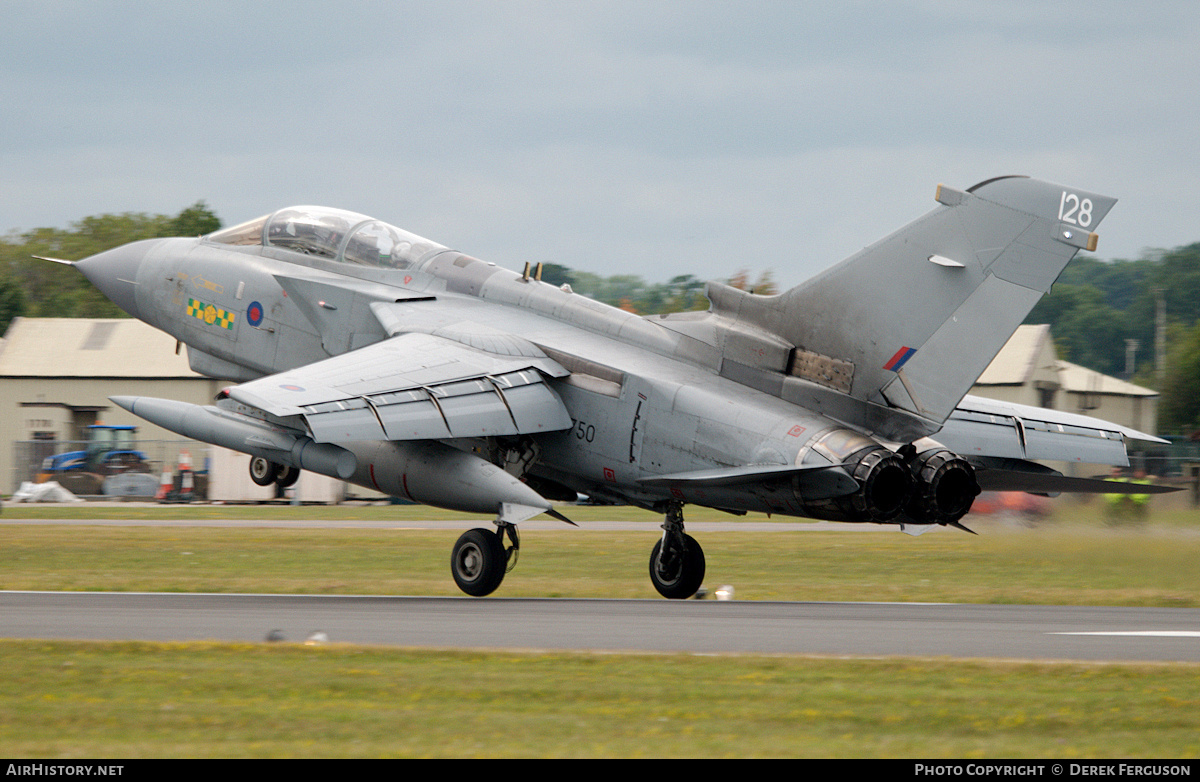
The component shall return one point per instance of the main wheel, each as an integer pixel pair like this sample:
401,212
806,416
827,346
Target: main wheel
263,471
679,575
478,562
286,476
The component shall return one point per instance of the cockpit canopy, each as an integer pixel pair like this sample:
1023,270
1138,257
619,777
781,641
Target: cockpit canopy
335,234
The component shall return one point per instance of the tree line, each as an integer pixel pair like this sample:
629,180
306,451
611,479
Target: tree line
37,289
1094,309
1097,306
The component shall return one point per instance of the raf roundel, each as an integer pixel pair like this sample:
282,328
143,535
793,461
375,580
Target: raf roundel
254,313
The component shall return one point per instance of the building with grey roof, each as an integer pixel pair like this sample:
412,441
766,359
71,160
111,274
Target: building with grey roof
57,375
1027,371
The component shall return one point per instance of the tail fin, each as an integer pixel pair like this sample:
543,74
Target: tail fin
915,318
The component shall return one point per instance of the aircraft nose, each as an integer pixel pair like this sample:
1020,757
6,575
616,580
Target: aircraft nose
115,272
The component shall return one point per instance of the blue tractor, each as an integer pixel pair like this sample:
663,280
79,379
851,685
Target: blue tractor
109,451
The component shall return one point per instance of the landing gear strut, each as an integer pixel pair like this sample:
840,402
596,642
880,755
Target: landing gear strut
480,560
676,561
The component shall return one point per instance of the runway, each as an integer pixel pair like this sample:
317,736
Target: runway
695,626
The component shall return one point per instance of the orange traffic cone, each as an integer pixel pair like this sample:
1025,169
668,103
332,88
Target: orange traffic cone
185,476
165,486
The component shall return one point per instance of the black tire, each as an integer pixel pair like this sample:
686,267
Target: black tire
683,579
262,471
478,562
287,476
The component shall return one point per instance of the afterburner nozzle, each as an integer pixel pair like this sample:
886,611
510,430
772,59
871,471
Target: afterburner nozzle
945,487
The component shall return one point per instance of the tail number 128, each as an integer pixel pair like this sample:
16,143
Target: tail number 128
1073,210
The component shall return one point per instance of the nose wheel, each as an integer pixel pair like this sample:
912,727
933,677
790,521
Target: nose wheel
676,561
479,559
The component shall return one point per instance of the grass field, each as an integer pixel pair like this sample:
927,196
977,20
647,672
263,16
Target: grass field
124,700
1066,560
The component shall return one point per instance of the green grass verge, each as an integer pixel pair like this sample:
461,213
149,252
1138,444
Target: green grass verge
126,700
1054,565
346,512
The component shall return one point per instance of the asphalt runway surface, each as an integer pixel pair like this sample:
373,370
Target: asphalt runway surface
693,626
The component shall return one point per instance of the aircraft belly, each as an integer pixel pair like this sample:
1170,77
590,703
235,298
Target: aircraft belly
661,427
596,447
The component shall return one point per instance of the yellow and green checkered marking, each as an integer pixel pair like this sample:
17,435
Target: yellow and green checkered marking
210,314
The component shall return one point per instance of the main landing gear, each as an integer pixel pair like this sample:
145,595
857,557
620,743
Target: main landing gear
676,561
480,559
264,472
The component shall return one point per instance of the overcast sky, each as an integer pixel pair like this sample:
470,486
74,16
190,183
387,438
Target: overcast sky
652,138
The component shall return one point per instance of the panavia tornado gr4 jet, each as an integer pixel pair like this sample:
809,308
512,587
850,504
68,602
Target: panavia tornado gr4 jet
365,352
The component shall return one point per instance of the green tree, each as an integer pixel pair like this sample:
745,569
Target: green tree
12,302
1121,282
1179,406
55,290
196,220
765,284
1086,329
688,293
557,274
1176,277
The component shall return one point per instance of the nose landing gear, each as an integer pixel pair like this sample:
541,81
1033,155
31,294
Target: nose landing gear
480,560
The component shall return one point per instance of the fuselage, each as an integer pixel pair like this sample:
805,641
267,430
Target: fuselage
645,399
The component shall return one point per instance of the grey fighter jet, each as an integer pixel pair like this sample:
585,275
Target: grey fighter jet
365,352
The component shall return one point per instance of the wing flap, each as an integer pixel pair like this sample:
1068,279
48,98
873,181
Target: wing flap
989,428
412,387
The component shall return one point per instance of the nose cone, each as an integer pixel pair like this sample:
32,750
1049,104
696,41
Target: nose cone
115,273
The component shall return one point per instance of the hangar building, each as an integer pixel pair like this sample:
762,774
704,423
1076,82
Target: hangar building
56,375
